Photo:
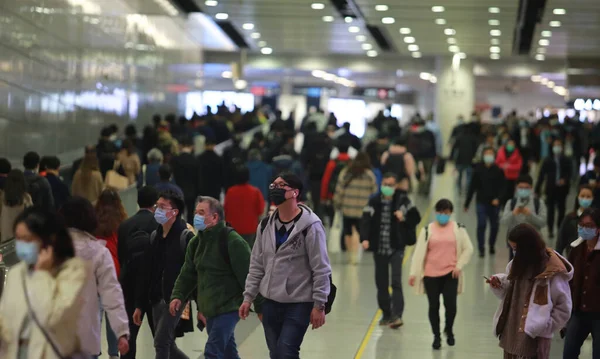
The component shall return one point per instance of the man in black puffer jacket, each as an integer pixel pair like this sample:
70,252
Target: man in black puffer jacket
389,224
38,187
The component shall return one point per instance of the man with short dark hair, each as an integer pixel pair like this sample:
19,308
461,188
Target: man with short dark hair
5,168
216,265
134,238
37,186
290,268
60,191
211,169
186,175
161,266
165,174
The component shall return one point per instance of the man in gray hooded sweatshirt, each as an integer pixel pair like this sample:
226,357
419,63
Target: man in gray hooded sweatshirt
290,268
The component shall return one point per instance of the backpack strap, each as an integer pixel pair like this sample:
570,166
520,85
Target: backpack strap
263,224
513,204
183,239
224,244
536,205
152,237
426,233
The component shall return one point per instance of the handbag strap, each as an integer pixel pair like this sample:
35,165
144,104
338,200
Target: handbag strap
37,322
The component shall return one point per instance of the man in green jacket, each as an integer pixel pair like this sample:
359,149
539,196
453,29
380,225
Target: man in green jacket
218,276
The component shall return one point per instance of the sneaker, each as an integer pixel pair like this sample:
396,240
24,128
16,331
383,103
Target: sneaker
492,251
385,321
437,343
450,339
396,323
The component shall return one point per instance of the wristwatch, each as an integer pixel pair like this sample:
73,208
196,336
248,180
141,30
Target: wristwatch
320,307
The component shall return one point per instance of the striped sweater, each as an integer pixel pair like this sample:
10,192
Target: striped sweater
352,197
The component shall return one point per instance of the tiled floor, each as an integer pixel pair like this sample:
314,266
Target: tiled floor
349,333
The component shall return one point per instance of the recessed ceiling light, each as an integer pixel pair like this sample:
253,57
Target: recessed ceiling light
541,50
437,9
361,38
413,47
248,26
255,35
543,80
221,16
559,11
328,18
493,22
381,8
450,32
536,78
372,53
329,77
262,44
348,19
318,73
462,55
495,56
550,84
354,29
227,74
544,42
540,57
555,23
409,40
388,20
440,21
453,48
546,33
495,32
416,55
266,51
317,6
495,41
494,10
367,46
425,76
405,30
451,41
211,3
433,79
495,49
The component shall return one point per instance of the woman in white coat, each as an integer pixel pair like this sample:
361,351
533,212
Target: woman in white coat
442,250
41,296
535,296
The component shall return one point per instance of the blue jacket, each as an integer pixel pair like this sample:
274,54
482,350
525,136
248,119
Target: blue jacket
261,175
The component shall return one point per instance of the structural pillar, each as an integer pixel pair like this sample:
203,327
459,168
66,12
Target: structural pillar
454,94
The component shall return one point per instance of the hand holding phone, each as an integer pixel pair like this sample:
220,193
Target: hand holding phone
494,282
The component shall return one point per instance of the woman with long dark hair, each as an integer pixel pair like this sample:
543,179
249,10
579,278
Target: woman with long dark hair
567,233
356,184
535,296
88,182
585,286
110,213
13,200
42,292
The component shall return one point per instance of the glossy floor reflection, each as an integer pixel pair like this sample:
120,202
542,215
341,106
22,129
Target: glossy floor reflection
346,334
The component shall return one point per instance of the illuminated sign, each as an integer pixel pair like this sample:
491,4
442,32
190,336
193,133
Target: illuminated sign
378,93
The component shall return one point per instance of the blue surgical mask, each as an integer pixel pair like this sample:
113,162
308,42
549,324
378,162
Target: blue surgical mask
587,234
489,159
199,222
160,215
585,202
27,251
523,192
442,218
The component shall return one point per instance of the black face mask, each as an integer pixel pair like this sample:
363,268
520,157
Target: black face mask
277,196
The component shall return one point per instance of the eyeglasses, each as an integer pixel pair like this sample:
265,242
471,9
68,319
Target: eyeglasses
278,185
156,206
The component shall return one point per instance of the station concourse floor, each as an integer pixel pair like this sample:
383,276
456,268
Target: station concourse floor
352,331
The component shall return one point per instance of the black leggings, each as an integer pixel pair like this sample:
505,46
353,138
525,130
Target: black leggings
448,288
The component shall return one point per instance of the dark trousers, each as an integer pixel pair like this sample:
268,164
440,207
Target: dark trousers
578,329
315,196
464,170
510,191
487,212
164,336
447,287
392,307
129,296
221,338
425,181
285,325
556,202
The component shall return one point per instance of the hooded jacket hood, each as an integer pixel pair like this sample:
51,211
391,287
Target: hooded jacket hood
557,265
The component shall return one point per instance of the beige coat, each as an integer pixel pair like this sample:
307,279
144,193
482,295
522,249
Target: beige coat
352,194
131,165
9,214
89,190
56,302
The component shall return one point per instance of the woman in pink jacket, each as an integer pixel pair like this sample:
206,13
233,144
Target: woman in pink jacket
509,160
535,296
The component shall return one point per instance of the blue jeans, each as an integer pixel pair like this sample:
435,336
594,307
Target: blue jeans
285,325
462,169
487,212
578,329
221,338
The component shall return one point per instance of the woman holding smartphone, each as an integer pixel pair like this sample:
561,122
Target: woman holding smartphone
535,296
442,250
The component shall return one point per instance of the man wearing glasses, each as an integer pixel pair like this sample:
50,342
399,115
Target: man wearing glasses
161,266
290,268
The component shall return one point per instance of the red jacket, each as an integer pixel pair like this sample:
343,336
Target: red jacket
510,165
244,205
327,175
112,245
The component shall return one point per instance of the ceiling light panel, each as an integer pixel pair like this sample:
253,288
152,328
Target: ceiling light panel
255,35
248,26
413,47
450,32
494,22
416,54
555,23
544,42
211,3
317,6
404,30
440,21
495,56
546,33
354,29
559,11
266,51
221,16
451,41
437,9
372,53
381,8
361,38
262,43
453,48
328,18
495,32
367,47
495,41
388,20
409,40
494,10
495,49
540,57
348,19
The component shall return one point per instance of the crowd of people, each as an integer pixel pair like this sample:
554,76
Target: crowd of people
246,229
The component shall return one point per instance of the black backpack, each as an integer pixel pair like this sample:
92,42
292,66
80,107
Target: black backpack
339,166
332,287
183,239
136,244
395,164
536,204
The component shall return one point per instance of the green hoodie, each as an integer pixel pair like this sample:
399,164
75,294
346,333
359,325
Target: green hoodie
219,285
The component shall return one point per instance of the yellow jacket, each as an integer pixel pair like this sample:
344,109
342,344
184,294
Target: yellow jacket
57,304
